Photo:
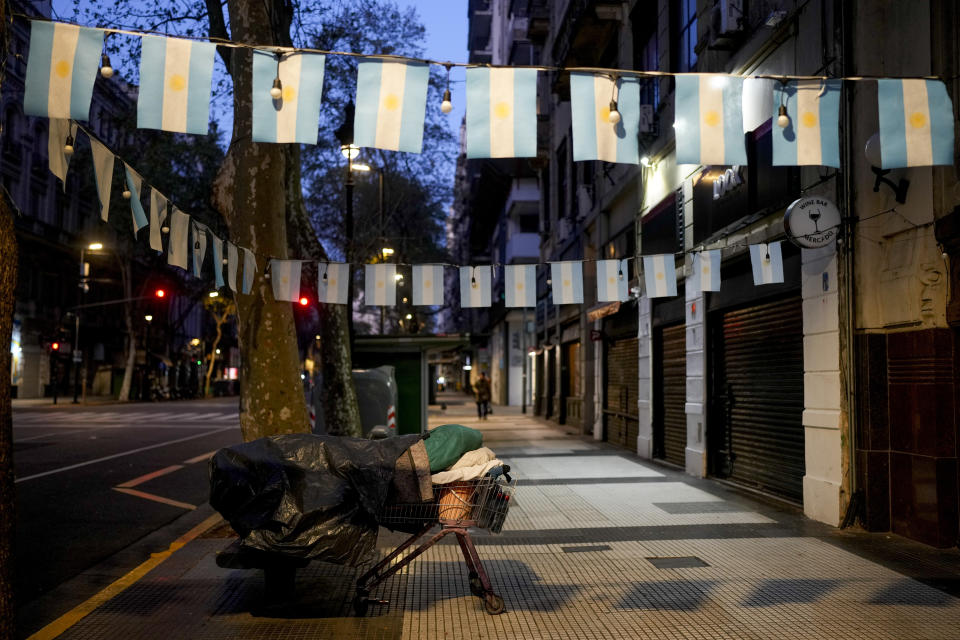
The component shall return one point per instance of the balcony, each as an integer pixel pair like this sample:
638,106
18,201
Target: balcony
522,247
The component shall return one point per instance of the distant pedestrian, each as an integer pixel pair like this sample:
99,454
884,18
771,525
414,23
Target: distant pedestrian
481,389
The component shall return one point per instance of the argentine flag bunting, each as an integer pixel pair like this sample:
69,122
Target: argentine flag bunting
285,279
594,136
705,275
567,282
158,215
175,78
199,231
103,160
380,285
709,120
475,285
520,284
249,270
612,279
62,67
292,117
134,183
812,137
332,281
428,285
767,263
233,259
391,104
660,275
177,245
217,245
501,113
916,123
59,161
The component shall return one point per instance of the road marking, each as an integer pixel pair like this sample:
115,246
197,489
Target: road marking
201,458
82,610
150,476
123,418
121,454
155,498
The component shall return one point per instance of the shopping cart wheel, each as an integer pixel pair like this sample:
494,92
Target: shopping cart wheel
476,587
493,604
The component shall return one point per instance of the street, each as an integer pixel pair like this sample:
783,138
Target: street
91,481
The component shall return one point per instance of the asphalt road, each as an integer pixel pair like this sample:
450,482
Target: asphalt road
91,481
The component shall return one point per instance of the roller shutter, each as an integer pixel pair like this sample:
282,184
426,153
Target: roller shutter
672,395
756,432
620,399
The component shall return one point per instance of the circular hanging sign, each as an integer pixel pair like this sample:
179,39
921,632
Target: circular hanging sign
812,222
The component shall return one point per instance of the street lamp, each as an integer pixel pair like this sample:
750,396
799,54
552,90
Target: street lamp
350,152
77,358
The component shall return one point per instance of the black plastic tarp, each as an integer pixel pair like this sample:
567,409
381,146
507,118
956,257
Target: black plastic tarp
306,496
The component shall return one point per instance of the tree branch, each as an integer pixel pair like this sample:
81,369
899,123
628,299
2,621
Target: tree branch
218,29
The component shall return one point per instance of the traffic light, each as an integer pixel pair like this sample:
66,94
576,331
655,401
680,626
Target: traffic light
55,346
160,293
304,301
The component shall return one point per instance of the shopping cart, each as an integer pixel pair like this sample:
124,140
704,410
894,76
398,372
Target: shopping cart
480,503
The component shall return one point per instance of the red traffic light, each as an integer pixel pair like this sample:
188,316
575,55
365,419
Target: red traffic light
55,346
160,293
304,301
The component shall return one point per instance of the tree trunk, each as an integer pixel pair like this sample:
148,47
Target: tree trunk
338,396
8,284
125,275
249,191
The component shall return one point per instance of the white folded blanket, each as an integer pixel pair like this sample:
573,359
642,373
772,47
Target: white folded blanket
471,465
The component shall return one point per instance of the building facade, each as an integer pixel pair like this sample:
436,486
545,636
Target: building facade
836,390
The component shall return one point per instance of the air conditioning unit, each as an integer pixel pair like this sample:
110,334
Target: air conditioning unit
727,22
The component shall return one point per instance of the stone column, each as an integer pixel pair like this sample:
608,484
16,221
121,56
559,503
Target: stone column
645,380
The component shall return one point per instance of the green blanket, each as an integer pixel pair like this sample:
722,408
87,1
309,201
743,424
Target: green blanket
448,442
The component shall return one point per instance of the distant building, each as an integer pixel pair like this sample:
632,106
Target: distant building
838,390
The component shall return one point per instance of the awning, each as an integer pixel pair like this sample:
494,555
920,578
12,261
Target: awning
602,310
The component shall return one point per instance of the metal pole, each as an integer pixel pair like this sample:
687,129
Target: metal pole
348,249
76,334
380,228
523,354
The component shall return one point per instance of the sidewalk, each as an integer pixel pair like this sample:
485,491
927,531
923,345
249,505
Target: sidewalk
597,545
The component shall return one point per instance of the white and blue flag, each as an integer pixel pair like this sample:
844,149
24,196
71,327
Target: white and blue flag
380,285
660,275
285,279
427,284
594,136
333,279
62,67
179,239
294,116
709,120
520,285
767,263
199,232
475,286
391,104
233,260
812,137
916,123
501,112
134,184
175,79
249,270
705,275
158,215
612,280
217,245
567,282
103,160
59,161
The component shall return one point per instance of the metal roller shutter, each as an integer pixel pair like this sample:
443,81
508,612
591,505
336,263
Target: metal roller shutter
757,397
620,400
673,395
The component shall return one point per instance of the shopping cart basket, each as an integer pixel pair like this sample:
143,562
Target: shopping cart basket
458,506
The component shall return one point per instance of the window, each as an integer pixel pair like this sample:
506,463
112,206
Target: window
528,223
646,53
621,246
686,29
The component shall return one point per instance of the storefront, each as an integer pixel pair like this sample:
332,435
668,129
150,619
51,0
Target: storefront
670,386
620,419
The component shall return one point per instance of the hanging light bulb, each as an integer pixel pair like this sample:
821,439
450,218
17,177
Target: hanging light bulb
783,120
68,146
164,229
614,116
473,282
126,194
324,276
277,90
766,258
106,70
620,274
446,106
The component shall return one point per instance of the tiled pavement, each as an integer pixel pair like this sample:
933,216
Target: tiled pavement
596,545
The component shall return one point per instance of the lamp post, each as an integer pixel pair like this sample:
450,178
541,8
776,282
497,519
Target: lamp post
345,136
77,356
